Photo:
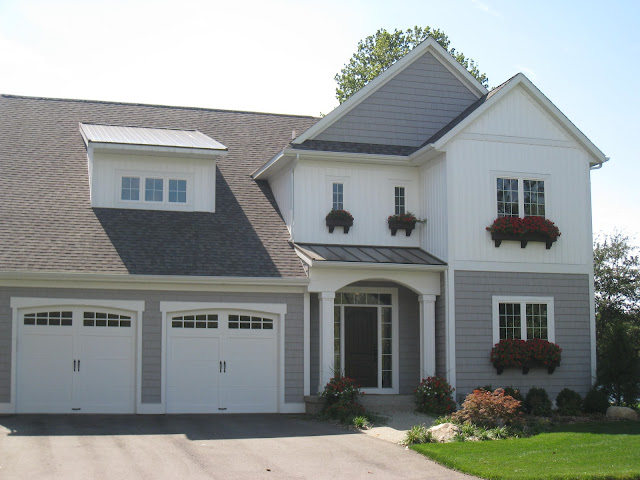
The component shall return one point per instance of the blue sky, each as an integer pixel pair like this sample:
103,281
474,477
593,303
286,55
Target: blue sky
282,55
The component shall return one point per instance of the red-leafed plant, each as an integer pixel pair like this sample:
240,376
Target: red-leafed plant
520,227
489,409
435,395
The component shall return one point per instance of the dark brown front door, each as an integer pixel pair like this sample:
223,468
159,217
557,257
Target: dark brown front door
361,345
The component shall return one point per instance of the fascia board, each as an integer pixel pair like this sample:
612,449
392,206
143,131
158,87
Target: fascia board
521,79
351,157
156,150
151,279
384,77
272,166
377,266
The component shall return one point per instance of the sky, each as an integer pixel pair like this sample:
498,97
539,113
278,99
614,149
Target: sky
281,56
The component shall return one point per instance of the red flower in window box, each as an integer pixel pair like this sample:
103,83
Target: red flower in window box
339,218
403,221
524,230
515,353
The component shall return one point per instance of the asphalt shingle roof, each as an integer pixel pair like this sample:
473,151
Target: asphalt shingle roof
48,224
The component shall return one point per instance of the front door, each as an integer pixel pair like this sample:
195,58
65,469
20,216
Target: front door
361,345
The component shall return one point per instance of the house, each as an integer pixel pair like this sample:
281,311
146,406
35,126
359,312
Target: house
166,260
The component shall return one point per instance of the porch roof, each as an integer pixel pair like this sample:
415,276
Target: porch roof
368,254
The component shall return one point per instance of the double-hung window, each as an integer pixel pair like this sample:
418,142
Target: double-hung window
523,318
399,201
520,197
338,196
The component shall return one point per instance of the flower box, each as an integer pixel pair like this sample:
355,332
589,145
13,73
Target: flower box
524,239
404,221
524,230
525,354
339,218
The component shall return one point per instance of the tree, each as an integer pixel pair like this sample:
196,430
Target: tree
378,52
617,292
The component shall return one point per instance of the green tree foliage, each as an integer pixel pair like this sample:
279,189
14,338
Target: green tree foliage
378,52
617,291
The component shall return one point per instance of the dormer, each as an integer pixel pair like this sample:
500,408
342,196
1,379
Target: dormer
151,168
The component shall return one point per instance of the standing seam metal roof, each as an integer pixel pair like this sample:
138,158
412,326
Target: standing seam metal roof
368,254
163,137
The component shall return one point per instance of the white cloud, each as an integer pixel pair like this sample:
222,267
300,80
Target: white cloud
485,8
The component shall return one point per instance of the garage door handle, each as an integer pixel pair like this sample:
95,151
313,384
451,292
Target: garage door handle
78,365
225,366
74,365
220,366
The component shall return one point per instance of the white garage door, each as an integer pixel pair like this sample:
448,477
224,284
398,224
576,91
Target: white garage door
75,360
221,362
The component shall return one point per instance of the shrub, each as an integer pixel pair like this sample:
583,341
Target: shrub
569,402
489,409
515,394
537,402
619,365
595,401
434,395
341,396
417,434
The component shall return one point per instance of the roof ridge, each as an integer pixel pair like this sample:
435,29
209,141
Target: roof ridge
144,128
109,102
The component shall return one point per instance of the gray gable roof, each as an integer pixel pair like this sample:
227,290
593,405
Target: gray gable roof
48,223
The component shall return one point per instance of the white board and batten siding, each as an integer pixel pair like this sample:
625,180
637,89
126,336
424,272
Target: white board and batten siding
368,196
434,206
108,169
281,186
516,138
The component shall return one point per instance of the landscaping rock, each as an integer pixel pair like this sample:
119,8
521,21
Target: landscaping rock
444,432
622,412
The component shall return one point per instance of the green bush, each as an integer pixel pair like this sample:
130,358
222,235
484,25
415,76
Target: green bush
514,393
619,365
569,402
417,434
595,401
434,395
537,402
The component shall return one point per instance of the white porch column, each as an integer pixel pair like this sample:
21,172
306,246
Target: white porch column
326,301
427,335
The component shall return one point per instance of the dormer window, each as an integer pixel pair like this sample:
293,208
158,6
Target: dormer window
153,189
130,188
151,168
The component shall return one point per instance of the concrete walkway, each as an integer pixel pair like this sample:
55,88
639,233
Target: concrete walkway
199,447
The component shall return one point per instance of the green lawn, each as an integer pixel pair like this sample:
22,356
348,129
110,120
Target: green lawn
597,450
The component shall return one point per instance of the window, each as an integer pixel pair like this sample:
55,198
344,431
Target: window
523,318
130,188
514,192
338,196
153,189
178,191
399,201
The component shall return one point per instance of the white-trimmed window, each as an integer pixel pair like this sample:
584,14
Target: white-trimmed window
520,197
153,189
130,188
399,200
523,318
177,191
337,196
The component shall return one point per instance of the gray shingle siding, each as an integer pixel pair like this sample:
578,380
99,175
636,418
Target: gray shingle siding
474,337
152,331
407,110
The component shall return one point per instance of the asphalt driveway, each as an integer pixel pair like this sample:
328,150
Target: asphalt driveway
199,447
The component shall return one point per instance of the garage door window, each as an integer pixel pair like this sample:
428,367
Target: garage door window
49,318
246,322
195,321
100,319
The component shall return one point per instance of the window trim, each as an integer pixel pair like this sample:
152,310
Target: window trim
520,177
404,197
522,300
165,203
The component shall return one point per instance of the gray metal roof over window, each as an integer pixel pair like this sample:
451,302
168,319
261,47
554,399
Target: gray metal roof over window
162,137
368,254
